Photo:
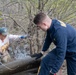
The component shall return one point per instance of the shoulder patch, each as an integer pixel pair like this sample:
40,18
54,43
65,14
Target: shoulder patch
62,23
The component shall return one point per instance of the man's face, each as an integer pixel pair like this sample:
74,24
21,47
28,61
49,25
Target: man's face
43,26
2,36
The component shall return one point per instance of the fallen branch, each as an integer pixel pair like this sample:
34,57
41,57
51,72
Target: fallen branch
19,65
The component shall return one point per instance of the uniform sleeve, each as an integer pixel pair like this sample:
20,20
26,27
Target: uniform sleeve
47,42
60,50
17,37
14,37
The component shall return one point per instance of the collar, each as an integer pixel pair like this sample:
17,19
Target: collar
51,29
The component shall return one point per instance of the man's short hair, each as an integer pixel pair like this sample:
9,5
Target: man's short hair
39,18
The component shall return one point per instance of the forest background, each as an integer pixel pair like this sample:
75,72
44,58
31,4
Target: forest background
17,16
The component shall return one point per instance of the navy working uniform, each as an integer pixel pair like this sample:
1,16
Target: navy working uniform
64,37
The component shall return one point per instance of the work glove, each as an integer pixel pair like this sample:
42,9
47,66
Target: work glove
51,74
1,54
24,36
37,55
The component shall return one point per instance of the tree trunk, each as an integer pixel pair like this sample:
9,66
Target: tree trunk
19,65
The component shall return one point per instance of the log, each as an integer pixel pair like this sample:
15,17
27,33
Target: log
19,65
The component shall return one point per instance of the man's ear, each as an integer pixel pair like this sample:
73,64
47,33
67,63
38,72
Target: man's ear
44,23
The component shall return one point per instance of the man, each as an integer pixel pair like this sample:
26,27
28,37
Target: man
5,39
64,37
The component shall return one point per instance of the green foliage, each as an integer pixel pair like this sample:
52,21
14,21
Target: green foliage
59,9
64,10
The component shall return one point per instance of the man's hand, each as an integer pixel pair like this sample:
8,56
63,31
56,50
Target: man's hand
24,36
37,55
51,74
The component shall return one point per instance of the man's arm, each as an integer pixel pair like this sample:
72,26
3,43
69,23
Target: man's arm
60,50
16,37
47,42
46,45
